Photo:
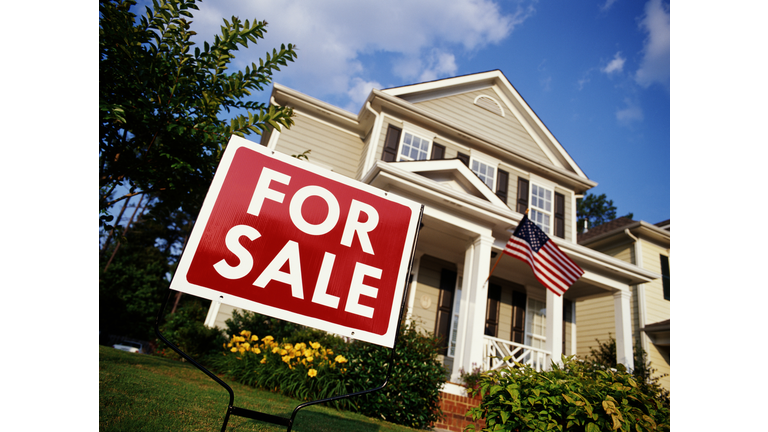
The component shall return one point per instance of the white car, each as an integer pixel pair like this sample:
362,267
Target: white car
133,347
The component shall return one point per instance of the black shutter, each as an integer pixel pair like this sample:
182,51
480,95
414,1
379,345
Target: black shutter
665,275
522,195
391,142
502,185
438,151
464,158
518,317
559,215
567,318
492,310
444,308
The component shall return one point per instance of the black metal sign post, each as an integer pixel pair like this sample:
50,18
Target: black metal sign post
288,422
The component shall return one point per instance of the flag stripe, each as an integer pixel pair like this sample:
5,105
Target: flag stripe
551,266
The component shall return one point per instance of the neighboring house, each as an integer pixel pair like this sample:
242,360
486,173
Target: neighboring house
646,246
476,155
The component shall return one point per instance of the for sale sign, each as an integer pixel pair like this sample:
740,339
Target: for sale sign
281,237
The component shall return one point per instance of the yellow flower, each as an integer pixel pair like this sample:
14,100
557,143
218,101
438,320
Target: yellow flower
340,359
314,345
309,359
275,350
254,338
234,349
256,350
246,345
264,360
286,359
312,373
283,352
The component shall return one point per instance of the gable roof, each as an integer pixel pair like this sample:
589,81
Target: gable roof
508,96
601,232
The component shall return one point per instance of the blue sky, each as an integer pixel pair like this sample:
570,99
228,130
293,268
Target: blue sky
597,73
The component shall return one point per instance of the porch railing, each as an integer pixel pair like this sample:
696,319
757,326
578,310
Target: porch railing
495,350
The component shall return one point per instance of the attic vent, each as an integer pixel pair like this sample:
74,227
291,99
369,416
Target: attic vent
490,104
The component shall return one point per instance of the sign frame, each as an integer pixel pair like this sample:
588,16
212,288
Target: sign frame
240,146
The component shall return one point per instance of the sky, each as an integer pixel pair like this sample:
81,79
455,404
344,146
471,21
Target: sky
597,73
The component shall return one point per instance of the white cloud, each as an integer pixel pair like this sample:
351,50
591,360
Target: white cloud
615,65
607,5
417,39
359,92
654,67
632,113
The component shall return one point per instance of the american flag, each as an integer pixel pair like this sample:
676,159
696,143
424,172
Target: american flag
550,265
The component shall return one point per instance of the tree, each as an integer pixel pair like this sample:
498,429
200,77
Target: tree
161,98
596,210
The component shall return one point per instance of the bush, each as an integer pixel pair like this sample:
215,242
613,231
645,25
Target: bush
310,370
186,330
471,379
605,354
282,331
306,371
579,396
412,396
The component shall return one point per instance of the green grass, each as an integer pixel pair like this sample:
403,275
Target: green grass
146,393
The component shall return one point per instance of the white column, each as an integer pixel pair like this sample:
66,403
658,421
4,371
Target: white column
621,306
412,286
474,296
554,342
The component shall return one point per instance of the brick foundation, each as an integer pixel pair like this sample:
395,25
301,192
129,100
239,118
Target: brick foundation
454,410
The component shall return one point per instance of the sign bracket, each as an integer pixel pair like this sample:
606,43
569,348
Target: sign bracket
282,421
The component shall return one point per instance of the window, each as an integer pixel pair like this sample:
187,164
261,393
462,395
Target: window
486,173
547,208
414,147
665,275
536,328
541,207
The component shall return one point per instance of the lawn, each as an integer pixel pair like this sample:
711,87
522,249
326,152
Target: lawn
146,393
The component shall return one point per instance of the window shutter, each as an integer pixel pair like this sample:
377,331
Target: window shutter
444,308
438,152
559,215
391,142
464,158
492,310
502,185
518,317
665,275
522,195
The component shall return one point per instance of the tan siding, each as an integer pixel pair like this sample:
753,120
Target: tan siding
657,308
461,111
595,320
330,147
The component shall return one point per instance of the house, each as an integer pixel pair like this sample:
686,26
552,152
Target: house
477,156
646,246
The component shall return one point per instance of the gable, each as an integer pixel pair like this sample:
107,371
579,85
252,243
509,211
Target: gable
454,175
475,112
528,136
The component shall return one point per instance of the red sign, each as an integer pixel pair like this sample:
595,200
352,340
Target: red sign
311,247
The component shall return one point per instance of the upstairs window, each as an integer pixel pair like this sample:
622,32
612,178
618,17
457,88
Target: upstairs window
413,147
665,275
541,207
486,173
546,207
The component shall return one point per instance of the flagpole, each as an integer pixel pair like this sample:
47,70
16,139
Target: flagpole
497,261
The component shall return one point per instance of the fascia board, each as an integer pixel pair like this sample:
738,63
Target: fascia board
283,96
452,165
404,108
443,84
637,228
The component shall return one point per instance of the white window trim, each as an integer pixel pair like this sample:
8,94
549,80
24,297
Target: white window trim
489,161
421,133
546,184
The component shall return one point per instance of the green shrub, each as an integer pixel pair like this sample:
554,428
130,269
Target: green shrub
306,371
605,354
412,396
281,331
186,330
309,370
471,379
579,396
